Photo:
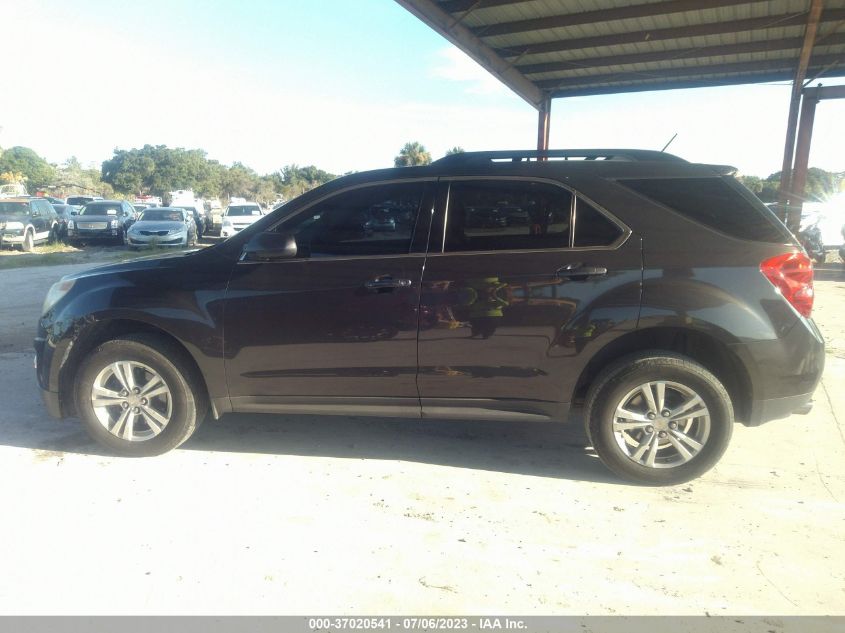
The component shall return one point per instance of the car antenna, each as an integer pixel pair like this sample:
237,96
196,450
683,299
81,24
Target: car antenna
670,142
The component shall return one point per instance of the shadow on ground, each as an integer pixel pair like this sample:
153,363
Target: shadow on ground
538,449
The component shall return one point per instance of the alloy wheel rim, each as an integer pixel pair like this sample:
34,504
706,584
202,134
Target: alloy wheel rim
132,401
661,424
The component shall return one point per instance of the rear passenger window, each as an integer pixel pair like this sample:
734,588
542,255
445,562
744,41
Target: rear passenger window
591,227
716,203
507,215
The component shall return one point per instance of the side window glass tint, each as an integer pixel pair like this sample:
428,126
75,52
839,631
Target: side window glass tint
507,215
717,203
377,220
591,227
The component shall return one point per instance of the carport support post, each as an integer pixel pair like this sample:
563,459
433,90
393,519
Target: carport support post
802,159
813,17
543,120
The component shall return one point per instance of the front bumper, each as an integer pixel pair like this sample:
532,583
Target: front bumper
156,240
93,234
43,358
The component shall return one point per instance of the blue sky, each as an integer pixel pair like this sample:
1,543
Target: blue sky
338,83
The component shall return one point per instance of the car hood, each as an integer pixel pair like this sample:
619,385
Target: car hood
11,217
151,225
241,219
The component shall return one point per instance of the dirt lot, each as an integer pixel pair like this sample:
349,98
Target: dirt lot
271,514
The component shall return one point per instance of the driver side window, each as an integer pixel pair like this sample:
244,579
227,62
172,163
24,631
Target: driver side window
375,220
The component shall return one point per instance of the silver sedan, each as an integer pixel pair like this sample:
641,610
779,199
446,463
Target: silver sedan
162,226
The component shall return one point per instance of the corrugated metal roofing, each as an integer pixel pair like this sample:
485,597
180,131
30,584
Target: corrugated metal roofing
563,48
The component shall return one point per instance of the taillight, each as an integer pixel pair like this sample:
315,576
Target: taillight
792,275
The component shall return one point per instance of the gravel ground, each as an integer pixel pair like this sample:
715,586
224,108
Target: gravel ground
297,515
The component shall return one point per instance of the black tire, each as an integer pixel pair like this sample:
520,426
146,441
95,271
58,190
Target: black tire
612,385
28,241
188,399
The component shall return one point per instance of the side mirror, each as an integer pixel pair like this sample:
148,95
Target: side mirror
267,247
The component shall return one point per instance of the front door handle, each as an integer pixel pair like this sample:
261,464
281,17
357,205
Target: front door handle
386,282
579,271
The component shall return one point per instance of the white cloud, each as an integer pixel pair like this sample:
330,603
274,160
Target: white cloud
455,65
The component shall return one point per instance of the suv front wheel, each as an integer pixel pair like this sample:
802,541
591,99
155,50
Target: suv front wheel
658,418
137,397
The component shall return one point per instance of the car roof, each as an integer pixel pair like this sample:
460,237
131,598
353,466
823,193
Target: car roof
19,199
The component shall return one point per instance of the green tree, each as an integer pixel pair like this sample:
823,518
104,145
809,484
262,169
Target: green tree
455,150
294,180
36,172
412,154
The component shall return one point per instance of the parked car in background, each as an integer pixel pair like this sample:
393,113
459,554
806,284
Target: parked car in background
660,316
25,222
185,199
101,220
81,201
239,216
64,213
163,226
13,190
52,200
215,214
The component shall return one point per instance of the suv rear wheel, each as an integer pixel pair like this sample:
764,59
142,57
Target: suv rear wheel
137,397
658,418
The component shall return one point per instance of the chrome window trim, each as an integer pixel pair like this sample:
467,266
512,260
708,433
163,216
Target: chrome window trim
623,237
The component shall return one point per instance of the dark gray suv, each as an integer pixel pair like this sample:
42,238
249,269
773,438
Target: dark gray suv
659,297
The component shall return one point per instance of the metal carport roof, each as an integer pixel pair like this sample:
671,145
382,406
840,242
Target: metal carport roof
561,48
545,49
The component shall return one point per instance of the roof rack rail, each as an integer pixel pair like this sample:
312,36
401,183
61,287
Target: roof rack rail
518,156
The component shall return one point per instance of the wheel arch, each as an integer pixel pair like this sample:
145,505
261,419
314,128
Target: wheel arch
108,330
702,347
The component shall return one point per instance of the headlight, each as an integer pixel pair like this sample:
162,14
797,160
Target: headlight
114,224
71,224
174,231
56,292
227,222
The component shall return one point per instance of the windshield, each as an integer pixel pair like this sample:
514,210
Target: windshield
14,208
100,208
162,215
77,200
244,209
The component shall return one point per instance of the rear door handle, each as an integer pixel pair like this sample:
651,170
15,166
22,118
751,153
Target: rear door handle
579,271
386,282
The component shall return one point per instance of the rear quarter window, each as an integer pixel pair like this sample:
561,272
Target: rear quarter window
718,203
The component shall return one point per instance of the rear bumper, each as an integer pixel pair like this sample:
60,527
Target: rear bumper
785,373
11,238
777,408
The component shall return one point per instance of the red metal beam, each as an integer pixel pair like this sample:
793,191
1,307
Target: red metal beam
795,101
792,43
653,35
603,15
